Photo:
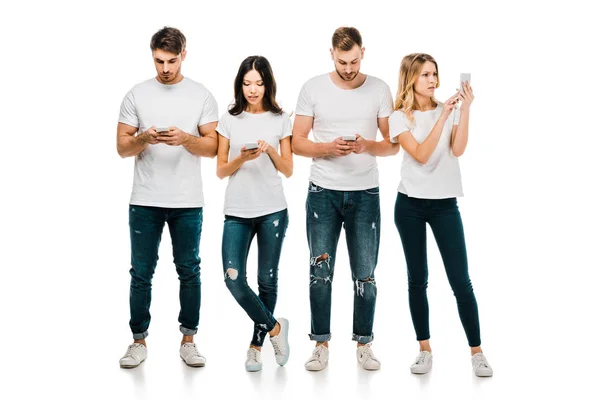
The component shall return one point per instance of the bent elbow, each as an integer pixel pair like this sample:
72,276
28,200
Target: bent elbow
458,153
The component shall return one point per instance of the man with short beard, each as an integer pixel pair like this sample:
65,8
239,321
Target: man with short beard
168,123
344,109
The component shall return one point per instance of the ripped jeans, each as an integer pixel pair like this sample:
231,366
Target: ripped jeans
358,212
237,238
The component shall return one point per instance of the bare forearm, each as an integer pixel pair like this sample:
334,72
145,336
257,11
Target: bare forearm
204,146
130,146
229,168
304,147
459,143
383,148
285,166
425,149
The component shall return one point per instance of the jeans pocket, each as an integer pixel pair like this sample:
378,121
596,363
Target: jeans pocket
312,188
373,191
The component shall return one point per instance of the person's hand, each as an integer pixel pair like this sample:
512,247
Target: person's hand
340,147
249,155
450,104
361,144
174,137
263,146
466,95
149,136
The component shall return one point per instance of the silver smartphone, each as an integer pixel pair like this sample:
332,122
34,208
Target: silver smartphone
251,145
162,129
349,138
464,77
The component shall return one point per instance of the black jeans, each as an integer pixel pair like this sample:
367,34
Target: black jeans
411,217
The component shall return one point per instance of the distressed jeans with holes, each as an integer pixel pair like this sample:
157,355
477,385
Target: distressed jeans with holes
412,216
145,229
237,237
327,211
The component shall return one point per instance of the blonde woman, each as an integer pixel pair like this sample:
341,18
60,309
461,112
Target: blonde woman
433,136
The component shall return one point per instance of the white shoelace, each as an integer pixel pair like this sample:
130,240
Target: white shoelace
368,352
253,356
131,349
481,362
421,358
317,353
193,347
275,343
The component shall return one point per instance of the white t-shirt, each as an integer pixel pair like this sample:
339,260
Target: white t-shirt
255,189
168,176
339,112
439,178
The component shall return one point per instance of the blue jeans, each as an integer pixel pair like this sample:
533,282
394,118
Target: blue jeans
237,238
358,212
145,229
412,216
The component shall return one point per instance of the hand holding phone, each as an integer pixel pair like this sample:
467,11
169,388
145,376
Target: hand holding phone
349,138
465,77
251,145
465,90
162,129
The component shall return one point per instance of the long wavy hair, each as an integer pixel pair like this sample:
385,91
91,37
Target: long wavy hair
261,65
410,68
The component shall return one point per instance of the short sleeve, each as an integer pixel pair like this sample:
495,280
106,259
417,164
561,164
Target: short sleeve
128,114
398,124
304,106
210,111
223,127
286,126
456,116
386,108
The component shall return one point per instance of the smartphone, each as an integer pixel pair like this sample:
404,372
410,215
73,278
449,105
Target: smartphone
251,145
162,129
349,138
464,77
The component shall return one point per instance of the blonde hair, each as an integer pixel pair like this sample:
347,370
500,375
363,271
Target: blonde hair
410,68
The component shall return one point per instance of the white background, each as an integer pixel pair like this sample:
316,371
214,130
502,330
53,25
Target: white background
529,212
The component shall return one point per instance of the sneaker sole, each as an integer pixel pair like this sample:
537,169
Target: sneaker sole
253,368
131,366
484,374
370,369
193,365
316,370
419,372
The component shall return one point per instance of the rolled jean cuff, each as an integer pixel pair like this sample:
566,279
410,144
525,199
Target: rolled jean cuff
320,338
187,332
362,339
139,336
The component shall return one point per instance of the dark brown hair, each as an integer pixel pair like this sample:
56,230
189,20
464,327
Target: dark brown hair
261,65
168,39
345,38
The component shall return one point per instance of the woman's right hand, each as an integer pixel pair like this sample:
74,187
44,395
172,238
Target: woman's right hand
450,104
248,155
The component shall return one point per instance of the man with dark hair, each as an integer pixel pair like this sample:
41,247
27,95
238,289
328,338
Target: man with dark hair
168,123
344,109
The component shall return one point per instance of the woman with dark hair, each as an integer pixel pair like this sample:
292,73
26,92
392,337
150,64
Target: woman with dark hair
250,134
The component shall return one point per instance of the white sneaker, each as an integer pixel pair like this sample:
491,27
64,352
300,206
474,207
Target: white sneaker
366,358
481,366
135,355
189,353
280,343
318,360
253,360
422,364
